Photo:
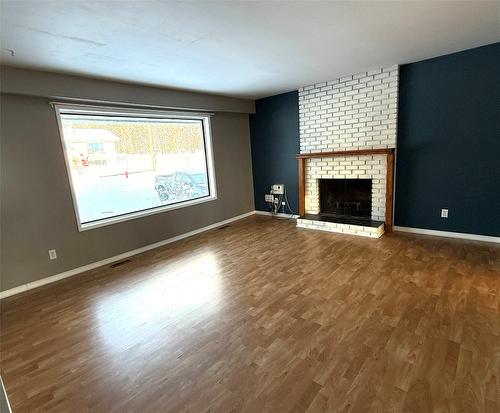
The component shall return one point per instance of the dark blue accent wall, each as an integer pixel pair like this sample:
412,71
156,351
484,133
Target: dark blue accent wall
449,143
448,152
274,132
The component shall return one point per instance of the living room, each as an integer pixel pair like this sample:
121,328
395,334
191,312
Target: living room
250,206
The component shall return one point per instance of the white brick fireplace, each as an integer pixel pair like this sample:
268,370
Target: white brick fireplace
353,113
370,167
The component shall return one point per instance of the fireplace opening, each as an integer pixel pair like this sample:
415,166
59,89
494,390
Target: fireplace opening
346,197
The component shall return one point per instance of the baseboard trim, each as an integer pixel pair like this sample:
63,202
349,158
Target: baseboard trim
447,234
279,214
66,274
4,395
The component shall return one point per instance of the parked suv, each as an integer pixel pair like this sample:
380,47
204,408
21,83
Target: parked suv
180,186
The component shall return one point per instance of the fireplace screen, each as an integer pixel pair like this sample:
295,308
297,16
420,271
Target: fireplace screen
346,197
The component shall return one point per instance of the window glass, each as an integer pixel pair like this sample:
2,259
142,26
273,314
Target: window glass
120,165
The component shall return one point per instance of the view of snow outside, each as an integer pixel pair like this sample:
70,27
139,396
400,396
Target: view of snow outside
123,165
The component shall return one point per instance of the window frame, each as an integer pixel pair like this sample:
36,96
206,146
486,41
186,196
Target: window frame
82,109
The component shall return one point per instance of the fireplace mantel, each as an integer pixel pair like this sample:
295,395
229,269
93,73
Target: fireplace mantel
388,152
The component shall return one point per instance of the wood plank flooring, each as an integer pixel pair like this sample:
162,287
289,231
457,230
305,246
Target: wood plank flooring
264,317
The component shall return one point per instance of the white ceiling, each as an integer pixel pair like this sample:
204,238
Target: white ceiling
244,49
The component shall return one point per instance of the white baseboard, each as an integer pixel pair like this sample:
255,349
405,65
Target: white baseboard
447,234
279,214
6,399
91,266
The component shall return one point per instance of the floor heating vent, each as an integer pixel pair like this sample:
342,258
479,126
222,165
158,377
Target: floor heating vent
117,264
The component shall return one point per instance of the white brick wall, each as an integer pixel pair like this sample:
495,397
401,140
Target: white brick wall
350,113
342,228
353,112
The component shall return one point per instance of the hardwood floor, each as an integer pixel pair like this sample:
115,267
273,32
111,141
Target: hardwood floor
264,317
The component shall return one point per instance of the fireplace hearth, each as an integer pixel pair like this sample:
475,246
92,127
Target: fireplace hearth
346,198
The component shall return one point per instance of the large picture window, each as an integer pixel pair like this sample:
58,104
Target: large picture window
123,164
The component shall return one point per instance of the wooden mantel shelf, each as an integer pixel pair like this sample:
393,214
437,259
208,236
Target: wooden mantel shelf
360,152
389,191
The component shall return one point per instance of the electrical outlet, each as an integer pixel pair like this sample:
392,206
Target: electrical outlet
52,254
444,213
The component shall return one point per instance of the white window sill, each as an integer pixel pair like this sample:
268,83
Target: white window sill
140,214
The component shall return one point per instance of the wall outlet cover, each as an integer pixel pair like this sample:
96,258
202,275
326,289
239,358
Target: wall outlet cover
444,213
278,189
52,254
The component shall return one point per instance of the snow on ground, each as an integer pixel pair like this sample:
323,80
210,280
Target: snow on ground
103,197
104,191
